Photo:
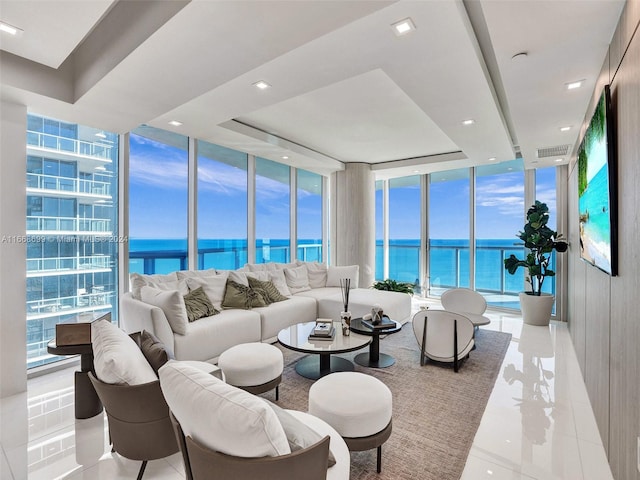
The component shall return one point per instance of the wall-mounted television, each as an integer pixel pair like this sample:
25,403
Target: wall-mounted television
597,202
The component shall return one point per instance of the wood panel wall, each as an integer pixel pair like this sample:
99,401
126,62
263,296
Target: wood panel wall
604,313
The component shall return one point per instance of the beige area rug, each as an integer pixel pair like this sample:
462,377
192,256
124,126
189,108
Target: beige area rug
436,412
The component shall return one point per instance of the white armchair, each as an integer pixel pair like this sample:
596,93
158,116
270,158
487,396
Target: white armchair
443,336
467,302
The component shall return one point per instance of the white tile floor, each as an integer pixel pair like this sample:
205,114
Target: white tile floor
538,423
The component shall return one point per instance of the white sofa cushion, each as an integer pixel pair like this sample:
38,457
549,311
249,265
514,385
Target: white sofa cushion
280,315
172,304
279,280
297,279
162,282
317,273
116,357
335,274
220,416
213,286
186,274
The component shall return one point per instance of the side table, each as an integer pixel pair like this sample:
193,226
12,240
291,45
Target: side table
87,403
374,358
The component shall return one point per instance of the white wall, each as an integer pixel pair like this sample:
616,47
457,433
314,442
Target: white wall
13,198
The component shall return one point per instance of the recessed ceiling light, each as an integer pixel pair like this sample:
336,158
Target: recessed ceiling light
101,135
403,27
416,171
284,157
100,168
469,121
492,159
558,159
175,123
565,129
261,84
574,85
10,29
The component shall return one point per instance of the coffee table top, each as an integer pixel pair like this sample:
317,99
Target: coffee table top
296,337
359,327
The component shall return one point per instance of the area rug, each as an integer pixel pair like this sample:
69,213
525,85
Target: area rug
436,412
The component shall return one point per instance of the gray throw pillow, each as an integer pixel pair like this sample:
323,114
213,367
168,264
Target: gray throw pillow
299,435
198,305
267,289
241,296
156,353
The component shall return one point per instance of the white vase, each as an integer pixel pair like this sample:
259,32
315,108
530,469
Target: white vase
536,310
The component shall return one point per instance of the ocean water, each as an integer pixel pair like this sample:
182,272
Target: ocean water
595,232
449,259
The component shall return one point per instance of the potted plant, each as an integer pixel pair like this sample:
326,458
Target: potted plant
540,240
393,286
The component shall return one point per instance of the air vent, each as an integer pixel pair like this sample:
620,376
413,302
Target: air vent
558,151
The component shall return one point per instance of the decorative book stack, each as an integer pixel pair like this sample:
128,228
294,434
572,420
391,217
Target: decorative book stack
324,330
386,322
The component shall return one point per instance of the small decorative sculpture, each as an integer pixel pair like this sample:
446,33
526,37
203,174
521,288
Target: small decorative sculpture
376,314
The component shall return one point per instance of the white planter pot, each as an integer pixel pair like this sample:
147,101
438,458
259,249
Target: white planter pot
536,310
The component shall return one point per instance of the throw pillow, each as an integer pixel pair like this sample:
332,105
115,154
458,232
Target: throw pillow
171,303
161,282
222,417
297,279
187,274
240,296
278,279
335,274
213,286
116,356
198,305
317,273
299,435
156,353
270,290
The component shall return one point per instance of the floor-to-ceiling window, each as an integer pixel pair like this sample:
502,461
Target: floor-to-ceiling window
72,227
222,207
499,217
379,230
546,193
404,229
309,216
273,200
158,184
449,220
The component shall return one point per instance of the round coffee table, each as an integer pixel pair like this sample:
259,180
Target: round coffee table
321,363
374,358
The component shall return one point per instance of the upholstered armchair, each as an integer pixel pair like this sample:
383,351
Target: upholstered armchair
467,302
443,336
139,424
227,433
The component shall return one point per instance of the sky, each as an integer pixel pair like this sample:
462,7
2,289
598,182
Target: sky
158,201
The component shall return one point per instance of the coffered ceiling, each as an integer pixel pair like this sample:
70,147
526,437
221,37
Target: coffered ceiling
343,86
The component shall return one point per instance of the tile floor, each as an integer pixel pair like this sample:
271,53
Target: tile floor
538,423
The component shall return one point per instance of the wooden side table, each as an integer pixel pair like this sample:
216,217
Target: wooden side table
87,403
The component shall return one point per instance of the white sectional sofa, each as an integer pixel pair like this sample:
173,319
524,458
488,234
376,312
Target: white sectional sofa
155,304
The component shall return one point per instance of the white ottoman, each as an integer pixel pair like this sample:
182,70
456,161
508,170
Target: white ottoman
357,406
254,367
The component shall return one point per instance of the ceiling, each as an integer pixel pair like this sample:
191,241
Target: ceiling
344,87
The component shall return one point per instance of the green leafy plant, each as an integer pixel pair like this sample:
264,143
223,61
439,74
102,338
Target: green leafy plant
540,240
393,286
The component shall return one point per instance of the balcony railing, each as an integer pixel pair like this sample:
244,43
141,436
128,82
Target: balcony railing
62,305
69,145
66,184
69,263
67,224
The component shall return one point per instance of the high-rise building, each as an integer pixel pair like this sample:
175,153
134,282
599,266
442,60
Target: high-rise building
72,228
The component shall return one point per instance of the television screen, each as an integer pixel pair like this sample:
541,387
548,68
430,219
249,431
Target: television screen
597,197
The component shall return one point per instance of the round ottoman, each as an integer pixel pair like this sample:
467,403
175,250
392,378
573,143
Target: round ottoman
357,406
254,367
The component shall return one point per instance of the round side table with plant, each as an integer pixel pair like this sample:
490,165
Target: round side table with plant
541,241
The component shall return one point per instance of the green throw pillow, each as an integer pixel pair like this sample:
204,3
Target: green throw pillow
237,295
198,305
271,292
